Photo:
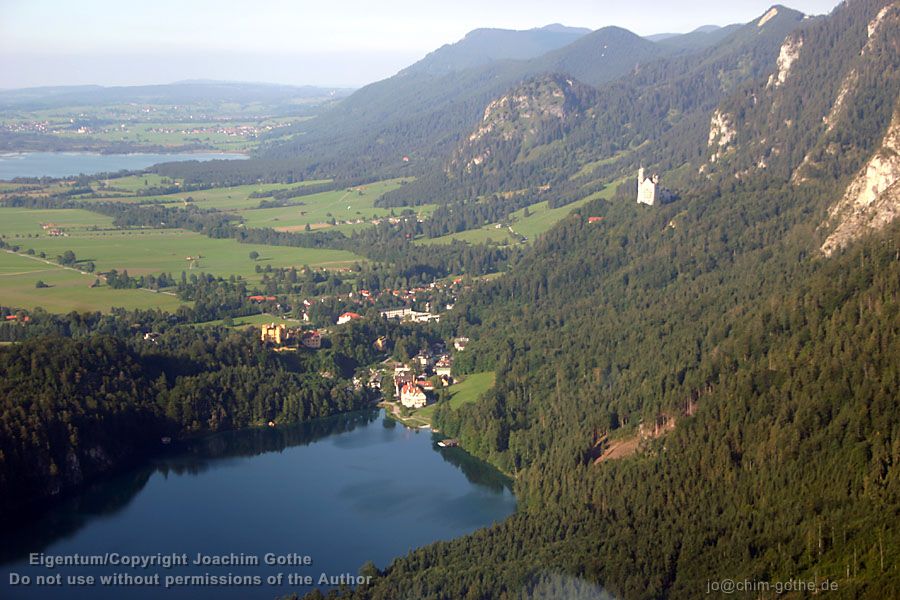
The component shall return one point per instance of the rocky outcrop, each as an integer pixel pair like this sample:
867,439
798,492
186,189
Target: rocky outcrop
872,199
721,133
891,11
787,56
523,118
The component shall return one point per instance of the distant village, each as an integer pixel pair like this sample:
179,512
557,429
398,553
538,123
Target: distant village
412,383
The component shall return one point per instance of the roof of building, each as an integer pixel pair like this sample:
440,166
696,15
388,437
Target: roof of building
411,388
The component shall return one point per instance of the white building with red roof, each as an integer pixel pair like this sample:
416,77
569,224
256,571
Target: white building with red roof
412,396
347,317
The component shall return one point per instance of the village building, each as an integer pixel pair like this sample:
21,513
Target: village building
443,366
274,334
311,340
424,360
400,380
396,313
412,396
460,343
347,317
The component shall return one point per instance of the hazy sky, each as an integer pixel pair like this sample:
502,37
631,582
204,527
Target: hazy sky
337,42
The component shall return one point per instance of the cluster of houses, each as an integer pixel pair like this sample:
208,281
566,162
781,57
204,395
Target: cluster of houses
246,131
283,337
414,383
54,231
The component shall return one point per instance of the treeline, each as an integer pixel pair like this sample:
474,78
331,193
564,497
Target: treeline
296,192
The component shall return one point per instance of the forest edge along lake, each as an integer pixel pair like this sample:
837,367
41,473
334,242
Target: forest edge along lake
312,502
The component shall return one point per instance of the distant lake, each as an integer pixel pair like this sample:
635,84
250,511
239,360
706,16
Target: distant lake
65,164
342,490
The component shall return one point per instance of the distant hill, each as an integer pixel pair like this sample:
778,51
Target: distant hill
599,56
483,46
699,38
179,92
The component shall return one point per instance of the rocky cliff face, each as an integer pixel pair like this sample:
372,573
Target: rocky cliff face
533,114
872,199
823,107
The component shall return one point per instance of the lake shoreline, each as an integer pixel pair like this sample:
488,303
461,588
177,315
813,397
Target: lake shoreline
369,476
26,514
39,165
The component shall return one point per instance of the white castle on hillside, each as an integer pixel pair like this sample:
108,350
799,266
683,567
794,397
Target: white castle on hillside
647,192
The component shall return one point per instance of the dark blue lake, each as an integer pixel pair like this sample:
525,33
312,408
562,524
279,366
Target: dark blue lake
342,491
65,164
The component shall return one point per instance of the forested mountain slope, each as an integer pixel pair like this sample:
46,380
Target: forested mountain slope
657,115
757,377
421,114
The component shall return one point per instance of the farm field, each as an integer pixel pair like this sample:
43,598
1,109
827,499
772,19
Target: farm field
227,198
151,251
69,290
24,222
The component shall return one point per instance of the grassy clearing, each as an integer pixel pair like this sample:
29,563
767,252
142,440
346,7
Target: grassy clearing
540,219
253,321
590,167
69,290
132,183
25,221
468,390
317,210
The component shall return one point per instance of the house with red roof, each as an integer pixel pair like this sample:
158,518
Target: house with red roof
347,317
412,396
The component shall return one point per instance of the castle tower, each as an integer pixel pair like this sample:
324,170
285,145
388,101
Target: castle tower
646,192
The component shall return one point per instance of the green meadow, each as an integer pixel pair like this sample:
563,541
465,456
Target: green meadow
253,321
226,198
151,251
540,219
464,392
30,222
317,210
68,289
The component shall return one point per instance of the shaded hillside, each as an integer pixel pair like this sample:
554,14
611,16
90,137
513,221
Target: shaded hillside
484,46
